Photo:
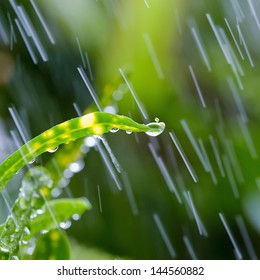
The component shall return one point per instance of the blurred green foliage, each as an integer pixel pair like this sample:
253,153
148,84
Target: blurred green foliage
124,34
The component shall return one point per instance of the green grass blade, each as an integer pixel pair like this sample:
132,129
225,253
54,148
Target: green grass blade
96,123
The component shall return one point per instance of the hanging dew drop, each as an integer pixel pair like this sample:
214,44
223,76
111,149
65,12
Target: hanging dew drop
155,128
114,129
53,150
129,131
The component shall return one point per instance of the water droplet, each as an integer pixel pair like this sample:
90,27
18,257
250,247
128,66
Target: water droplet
33,215
4,250
67,173
117,95
90,141
56,192
77,166
63,183
155,128
14,258
128,131
26,231
84,149
36,176
114,129
25,242
75,217
65,225
157,120
31,161
110,109
40,211
53,150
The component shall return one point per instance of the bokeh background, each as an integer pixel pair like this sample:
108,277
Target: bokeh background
192,64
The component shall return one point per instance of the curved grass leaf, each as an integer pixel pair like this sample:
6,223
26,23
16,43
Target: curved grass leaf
58,211
95,123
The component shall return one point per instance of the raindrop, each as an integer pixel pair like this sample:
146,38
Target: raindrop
114,129
75,217
76,167
32,216
26,231
164,235
53,150
32,161
128,131
4,250
67,173
155,128
56,192
63,183
65,225
40,211
110,109
117,95
90,141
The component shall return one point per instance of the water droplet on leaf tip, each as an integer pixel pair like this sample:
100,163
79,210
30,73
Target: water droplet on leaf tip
155,128
128,131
